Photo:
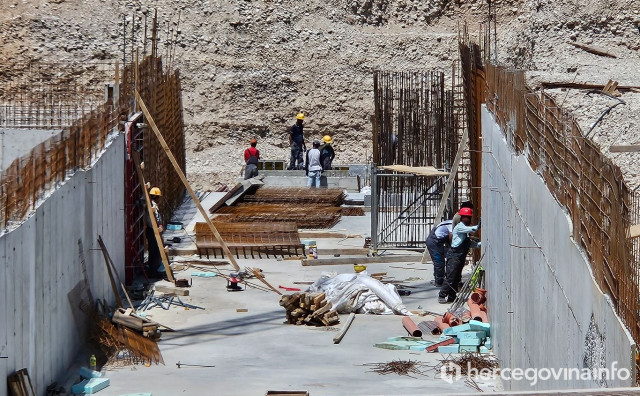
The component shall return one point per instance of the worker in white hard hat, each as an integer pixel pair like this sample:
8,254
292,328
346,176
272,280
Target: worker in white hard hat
296,140
326,152
154,261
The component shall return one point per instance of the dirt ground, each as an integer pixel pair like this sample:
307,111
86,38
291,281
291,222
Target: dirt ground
249,66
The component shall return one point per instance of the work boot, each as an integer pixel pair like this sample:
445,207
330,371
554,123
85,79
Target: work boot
443,300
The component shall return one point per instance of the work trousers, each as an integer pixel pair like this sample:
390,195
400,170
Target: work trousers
297,154
437,250
455,259
314,175
251,170
154,262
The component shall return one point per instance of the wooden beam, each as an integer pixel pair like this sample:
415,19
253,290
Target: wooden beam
449,186
345,328
111,279
593,50
154,225
257,274
628,148
183,178
107,258
361,260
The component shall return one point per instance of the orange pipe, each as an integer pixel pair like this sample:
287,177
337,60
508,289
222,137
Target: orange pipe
476,311
451,319
411,327
479,296
441,324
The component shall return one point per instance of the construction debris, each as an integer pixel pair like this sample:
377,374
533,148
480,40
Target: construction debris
468,361
593,50
309,308
20,384
115,339
400,367
345,328
404,344
191,365
470,337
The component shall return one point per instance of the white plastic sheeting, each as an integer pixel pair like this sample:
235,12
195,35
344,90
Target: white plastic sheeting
359,293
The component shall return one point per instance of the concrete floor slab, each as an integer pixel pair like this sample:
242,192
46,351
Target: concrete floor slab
255,351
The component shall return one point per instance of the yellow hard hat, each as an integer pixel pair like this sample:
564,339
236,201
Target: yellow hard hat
300,116
327,139
155,191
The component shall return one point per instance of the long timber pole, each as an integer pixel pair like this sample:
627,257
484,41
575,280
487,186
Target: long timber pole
183,178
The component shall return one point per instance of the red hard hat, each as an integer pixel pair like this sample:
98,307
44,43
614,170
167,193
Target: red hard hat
465,212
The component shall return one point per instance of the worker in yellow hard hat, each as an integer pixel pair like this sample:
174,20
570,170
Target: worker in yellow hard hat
154,261
326,153
296,141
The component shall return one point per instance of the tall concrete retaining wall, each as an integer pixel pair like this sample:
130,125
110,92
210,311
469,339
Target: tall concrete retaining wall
41,326
545,308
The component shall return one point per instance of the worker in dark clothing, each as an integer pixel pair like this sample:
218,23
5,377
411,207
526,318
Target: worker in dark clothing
438,243
296,140
154,261
456,256
326,153
251,159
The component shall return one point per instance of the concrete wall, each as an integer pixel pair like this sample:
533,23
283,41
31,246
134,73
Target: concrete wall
41,327
15,143
546,311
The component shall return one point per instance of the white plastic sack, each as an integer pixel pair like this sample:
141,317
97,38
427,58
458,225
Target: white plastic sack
359,293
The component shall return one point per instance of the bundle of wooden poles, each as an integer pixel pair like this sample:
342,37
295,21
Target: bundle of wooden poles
309,308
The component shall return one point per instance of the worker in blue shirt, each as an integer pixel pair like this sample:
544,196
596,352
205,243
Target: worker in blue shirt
456,256
438,243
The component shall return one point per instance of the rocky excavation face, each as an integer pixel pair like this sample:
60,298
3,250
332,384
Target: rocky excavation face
248,67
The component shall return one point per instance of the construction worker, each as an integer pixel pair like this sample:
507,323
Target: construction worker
456,217
438,243
296,141
456,255
326,153
313,165
251,159
154,261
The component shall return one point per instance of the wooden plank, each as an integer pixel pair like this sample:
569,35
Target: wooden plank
258,275
625,148
114,270
111,278
154,225
361,260
449,186
172,159
345,328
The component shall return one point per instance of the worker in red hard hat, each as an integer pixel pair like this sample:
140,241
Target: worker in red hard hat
456,255
251,159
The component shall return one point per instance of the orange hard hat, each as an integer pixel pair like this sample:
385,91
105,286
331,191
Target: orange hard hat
465,212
